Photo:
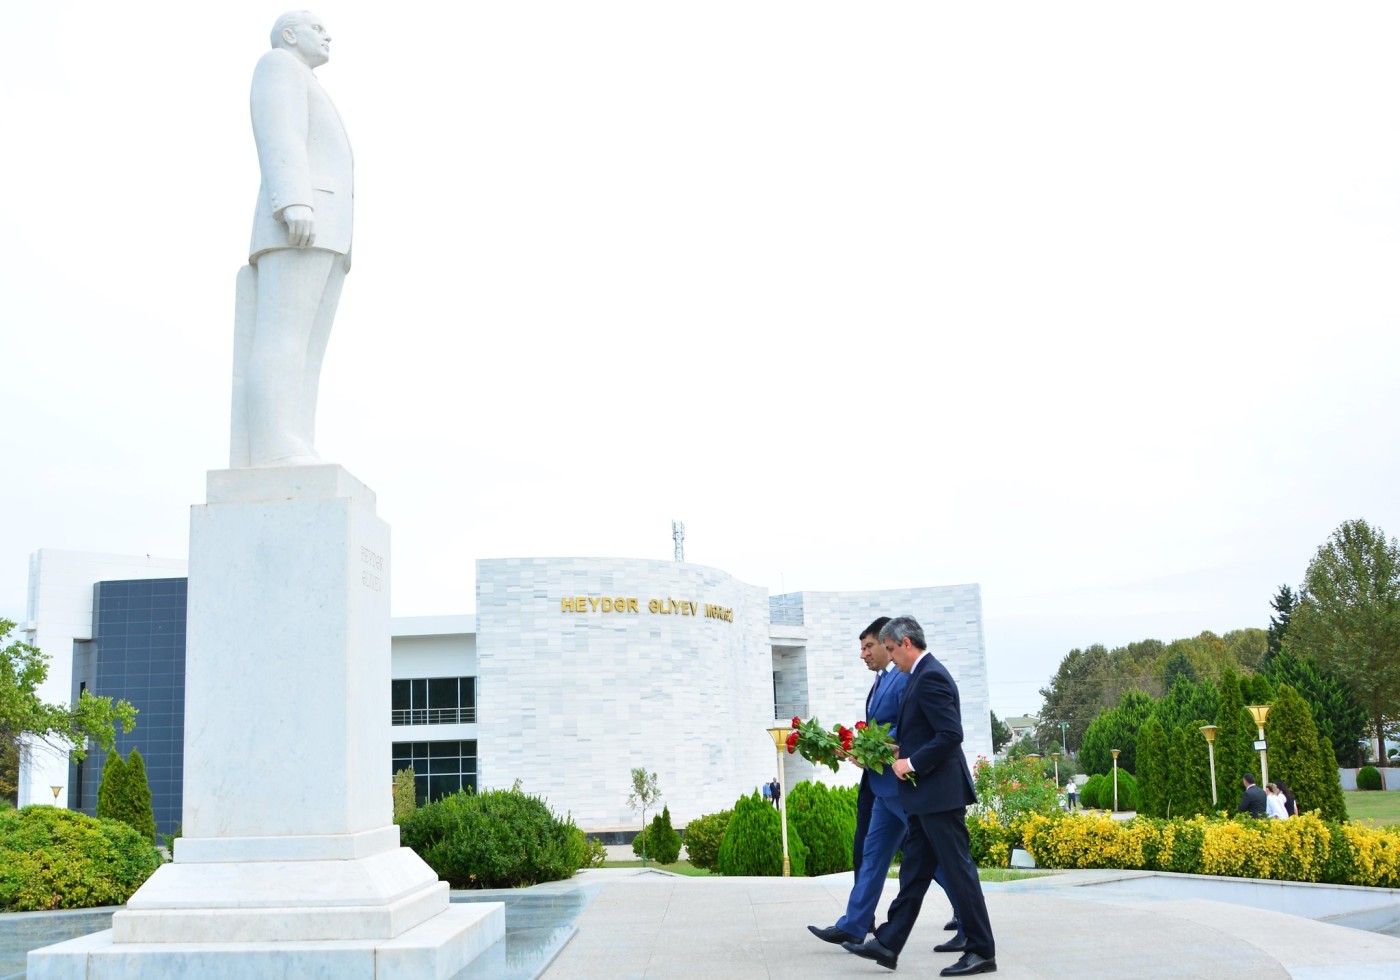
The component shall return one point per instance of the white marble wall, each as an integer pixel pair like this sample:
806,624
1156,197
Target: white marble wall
569,702
837,679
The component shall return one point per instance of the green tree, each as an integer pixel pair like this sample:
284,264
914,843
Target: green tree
1234,743
405,795
753,843
1295,754
1178,665
1154,768
827,825
645,794
1348,618
1333,800
1283,602
702,839
1074,695
1190,769
1000,733
662,839
1116,728
140,814
1186,701
1257,689
22,669
1336,712
112,786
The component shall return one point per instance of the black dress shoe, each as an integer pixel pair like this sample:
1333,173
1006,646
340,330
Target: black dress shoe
831,934
951,925
955,945
872,950
969,964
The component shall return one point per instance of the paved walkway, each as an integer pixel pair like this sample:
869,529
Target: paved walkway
656,926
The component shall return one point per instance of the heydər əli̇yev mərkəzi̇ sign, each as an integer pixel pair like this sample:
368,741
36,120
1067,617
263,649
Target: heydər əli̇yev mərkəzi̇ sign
660,607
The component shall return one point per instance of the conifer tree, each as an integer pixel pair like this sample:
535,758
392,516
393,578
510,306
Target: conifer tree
1234,743
1193,770
112,786
1154,768
1332,804
753,843
136,793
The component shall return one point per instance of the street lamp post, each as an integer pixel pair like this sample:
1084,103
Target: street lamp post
1064,737
1209,732
56,791
1260,712
1115,779
1056,757
780,734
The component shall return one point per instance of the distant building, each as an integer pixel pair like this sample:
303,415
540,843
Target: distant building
572,672
1022,726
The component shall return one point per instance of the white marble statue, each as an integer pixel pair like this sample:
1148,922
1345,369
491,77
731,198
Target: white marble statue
300,251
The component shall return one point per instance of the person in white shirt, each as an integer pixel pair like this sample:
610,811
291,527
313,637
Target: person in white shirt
1277,809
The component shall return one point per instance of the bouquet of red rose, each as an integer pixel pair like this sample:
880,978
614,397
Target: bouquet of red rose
867,744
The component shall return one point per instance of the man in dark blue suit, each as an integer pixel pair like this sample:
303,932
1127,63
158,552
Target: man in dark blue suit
880,820
935,789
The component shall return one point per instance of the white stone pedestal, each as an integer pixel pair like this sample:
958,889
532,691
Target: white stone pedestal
290,865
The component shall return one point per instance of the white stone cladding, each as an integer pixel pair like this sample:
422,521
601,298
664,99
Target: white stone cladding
837,679
569,702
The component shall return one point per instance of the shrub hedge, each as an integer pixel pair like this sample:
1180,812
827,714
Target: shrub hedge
702,839
661,842
753,843
826,821
497,839
51,858
1368,777
1305,848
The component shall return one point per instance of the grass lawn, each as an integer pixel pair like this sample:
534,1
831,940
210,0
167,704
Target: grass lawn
1380,808
680,867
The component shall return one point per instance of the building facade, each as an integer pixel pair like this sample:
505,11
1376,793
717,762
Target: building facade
572,672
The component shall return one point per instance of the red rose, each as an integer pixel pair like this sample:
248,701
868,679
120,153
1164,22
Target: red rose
796,721
861,725
792,742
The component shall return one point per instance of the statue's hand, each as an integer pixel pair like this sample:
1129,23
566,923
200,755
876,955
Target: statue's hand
301,225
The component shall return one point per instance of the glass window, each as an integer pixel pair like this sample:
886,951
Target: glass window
439,768
434,701
403,700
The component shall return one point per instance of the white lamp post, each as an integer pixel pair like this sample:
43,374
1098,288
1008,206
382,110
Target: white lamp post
1260,712
1115,779
780,734
1209,732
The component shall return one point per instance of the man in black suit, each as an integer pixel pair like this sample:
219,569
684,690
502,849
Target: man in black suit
1255,801
935,788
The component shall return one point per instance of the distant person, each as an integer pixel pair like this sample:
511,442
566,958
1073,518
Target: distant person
1255,801
1071,793
775,790
1290,802
767,792
1276,804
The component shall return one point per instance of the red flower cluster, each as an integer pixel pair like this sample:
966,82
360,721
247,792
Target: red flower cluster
792,741
846,736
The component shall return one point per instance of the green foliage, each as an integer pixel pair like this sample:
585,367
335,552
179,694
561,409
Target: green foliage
405,795
1154,768
1234,743
1367,777
1348,618
753,843
23,668
496,839
110,788
645,794
1000,734
1189,792
1186,701
1129,795
661,842
1283,603
702,839
1178,667
1336,712
827,825
52,858
1334,801
1013,788
1116,728
124,793
595,853
1091,793
1295,756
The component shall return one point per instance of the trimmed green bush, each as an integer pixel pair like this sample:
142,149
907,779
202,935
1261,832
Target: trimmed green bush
827,825
1368,777
702,839
124,793
663,843
753,842
405,794
1091,793
497,839
110,788
52,858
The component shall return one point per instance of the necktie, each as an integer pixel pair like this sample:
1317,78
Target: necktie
870,698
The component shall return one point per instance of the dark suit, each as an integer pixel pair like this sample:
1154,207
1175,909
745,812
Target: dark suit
885,821
1255,802
930,737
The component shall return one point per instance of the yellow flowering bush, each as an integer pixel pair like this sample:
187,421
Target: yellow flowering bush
1375,855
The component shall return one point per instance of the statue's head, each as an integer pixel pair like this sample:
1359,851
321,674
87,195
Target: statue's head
301,33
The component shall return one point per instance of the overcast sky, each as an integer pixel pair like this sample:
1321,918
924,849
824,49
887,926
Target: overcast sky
1092,304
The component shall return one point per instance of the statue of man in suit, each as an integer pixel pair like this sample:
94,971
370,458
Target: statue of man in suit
300,252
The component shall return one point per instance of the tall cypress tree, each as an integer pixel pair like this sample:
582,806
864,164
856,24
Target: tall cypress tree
1234,743
112,786
1333,803
137,797
1191,768
1283,604
1154,770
